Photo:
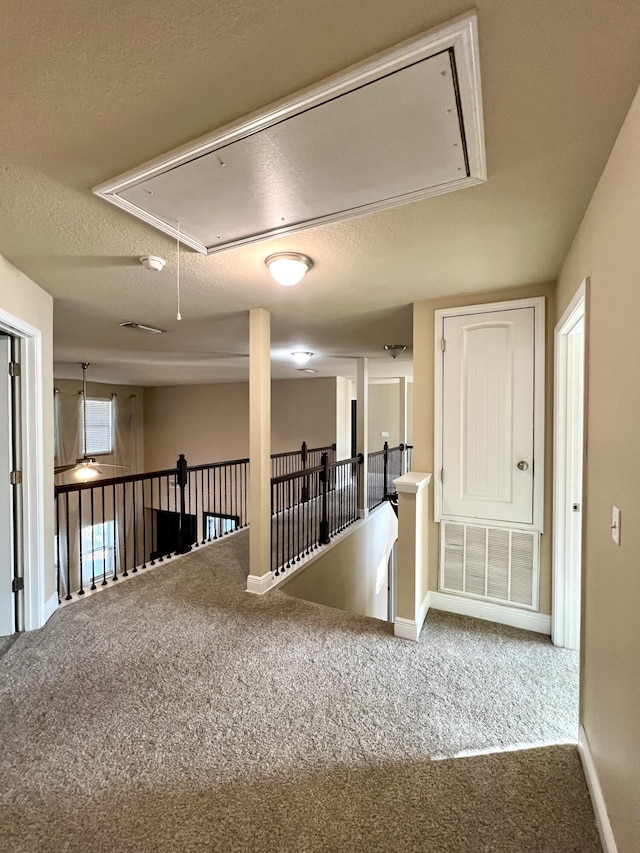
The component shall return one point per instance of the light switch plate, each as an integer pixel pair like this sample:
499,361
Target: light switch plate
615,524
385,435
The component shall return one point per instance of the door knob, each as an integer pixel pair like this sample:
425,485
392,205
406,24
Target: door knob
522,465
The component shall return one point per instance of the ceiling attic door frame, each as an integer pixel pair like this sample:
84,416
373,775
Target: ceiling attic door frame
459,35
31,545
569,453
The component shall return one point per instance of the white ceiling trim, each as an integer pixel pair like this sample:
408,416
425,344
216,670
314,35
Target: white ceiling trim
460,36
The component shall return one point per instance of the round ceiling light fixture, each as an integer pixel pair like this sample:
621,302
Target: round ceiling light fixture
288,268
301,357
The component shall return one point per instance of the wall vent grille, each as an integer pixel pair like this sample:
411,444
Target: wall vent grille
493,563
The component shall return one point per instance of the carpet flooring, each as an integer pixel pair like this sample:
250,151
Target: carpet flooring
179,713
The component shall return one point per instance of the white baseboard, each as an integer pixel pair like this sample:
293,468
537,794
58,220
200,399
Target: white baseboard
423,610
597,798
409,629
50,607
259,584
406,629
501,613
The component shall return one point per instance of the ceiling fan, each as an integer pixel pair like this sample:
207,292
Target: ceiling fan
86,467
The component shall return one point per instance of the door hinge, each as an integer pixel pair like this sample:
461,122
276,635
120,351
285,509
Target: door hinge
15,478
442,475
14,369
443,344
17,585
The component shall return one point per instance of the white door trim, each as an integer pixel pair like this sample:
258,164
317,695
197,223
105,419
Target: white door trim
566,588
34,613
537,303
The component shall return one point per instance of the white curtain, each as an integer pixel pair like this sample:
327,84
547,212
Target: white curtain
125,443
67,448
67,428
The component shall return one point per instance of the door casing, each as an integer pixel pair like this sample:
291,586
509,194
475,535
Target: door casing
567,544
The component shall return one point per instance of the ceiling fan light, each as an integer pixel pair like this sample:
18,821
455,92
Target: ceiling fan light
288,268
301,357
86,472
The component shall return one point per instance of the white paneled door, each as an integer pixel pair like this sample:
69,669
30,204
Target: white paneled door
488,385
6,497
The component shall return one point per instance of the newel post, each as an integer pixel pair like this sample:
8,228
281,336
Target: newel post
184,533
324,479
385,469
305,482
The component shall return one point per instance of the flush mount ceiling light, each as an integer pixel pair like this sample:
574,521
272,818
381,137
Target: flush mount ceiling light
288,268
301,357
129,324
394,350
307,370
152,262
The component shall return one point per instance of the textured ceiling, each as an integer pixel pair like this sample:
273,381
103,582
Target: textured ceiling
92,91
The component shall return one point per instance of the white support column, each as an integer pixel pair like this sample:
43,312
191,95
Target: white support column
260,577
362,430
402,419
412,567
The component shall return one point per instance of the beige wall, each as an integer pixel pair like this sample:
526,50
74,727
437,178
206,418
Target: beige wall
210,423
346,576
384,414
100,389
302,410
423,391
23,299
343,418
607,249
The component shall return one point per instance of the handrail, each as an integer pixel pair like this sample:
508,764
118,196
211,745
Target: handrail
293,475
308,507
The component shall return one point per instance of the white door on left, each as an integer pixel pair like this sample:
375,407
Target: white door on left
7,610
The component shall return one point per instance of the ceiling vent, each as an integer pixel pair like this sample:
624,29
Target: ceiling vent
401,127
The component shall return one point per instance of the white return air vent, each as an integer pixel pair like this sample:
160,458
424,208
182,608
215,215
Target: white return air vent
401,127
491,563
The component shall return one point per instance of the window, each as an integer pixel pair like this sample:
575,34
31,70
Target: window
98,427
98,551
218,525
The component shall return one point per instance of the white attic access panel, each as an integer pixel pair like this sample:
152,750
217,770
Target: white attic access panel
400,127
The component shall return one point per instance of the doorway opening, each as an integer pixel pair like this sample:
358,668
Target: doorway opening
569,449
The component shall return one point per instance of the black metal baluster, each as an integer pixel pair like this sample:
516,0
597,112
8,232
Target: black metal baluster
116,536
57,500
135,529
68,595
81,590
144,527
274,532
104,544
175,506
206,521
125,573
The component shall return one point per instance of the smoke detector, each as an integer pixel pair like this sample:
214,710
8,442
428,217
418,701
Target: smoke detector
152,262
